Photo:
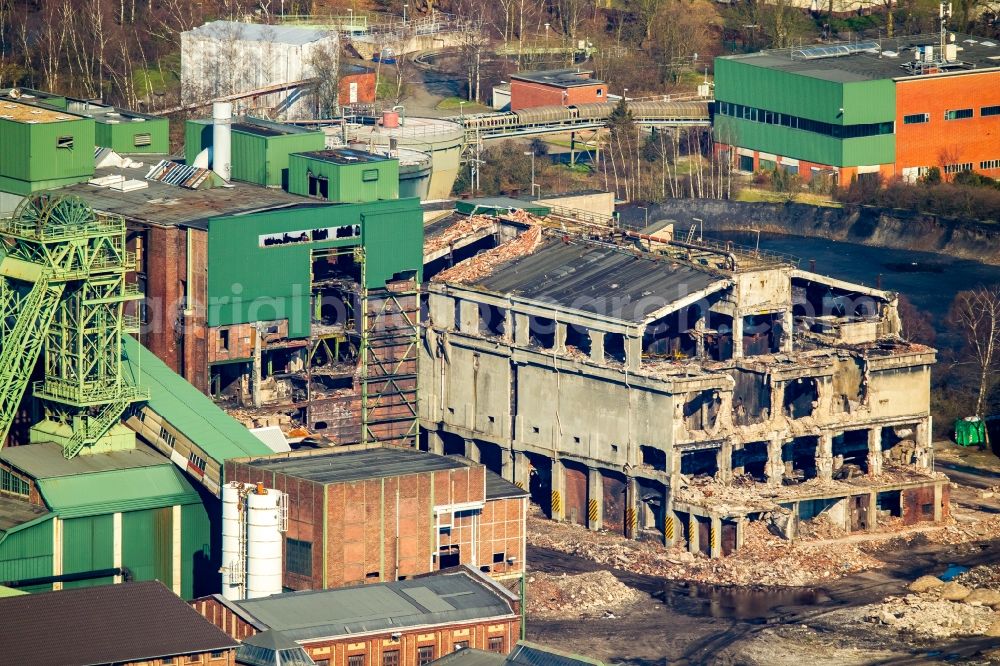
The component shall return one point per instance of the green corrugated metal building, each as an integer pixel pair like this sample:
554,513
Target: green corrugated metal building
771,103
496,205
344,175
268,256
43,148
130,133
260,149
130,509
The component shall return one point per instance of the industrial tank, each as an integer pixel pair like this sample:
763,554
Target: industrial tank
253,519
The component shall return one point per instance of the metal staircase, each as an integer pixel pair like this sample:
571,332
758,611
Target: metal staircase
71,265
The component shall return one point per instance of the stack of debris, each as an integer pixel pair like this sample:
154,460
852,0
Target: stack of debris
937,610
579,594
483,264
464,227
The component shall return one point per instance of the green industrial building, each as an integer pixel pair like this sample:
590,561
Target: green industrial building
260,149
344,175
129,133
43,148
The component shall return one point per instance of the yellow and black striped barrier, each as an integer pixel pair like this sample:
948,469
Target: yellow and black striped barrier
592,511
668,528
631,520
556,503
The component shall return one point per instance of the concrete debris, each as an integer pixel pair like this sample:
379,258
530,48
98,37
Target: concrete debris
925,583
954,591
928,617
483,264
983,597
578,594
461,229
981,577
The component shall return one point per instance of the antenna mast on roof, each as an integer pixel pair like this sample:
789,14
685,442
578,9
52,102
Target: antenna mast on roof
944,12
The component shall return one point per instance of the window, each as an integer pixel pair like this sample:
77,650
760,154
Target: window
196,460
356,660
990,111
298,557
498,558
957,114
224,340
768,165
425,655
390,658
11,483
495,644
373,575
461,645
140,140
319,186
957,168
990,164
194,658
369,175
916,118
827,129
321,662
746,163
218,654
167,660
600,92
65,142
167,437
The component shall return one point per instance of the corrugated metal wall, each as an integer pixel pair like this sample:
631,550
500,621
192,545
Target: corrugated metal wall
347,182
121,137
27,553
88,544
147,544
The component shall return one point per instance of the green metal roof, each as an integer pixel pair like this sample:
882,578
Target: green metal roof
187,409
10,592
494,205
117,490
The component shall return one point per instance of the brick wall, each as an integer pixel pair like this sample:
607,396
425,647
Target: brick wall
526,94
365,83
226,658
501,532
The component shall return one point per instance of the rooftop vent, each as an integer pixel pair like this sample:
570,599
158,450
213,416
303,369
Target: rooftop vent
835,51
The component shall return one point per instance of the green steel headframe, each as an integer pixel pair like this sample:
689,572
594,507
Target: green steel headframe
63,288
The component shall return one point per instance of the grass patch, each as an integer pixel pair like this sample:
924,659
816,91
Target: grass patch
160,79
754,195
455,104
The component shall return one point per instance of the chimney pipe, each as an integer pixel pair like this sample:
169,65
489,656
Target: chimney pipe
222,114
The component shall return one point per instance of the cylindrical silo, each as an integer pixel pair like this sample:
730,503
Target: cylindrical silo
233,527
263,542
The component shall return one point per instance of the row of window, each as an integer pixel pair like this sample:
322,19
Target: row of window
425,654
754,114
989,164
953,114
11,483
192,658
957,168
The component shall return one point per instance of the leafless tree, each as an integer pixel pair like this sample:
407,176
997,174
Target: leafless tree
976,313
325,64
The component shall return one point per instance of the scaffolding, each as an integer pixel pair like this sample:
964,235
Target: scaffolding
63,289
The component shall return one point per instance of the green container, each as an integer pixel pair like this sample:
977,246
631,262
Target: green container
970,433
43,149
344,175
132,133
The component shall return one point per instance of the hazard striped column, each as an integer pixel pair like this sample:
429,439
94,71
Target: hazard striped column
595,499
558,506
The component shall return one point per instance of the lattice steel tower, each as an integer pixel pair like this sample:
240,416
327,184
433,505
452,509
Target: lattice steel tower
63,289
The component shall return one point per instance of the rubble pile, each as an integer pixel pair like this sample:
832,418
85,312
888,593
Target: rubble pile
982,577
464,227
483,264
936,610
765,560
578,594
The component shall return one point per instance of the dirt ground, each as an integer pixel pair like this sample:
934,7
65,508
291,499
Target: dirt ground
823,599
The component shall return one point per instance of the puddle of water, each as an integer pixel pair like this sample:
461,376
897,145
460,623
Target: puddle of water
952,571
737,603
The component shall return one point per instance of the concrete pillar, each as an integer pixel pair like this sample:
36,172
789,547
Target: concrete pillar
468,317
694,535
507,464
522,470
631,507
741,533
824,457
715,536
559,338
435,443
699,338
938,502
875,451
633,353
508,325
788,332
923,447
472,450
724,460
558,505
596,346
595,499
775,468
872,512
522,330
738,336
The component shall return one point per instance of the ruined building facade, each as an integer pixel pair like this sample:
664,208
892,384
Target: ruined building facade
679,390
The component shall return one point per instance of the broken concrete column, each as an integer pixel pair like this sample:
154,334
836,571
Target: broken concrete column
699,337
595,499
824,457
559,338
508,325
775,468
741,531
875,451
472,450
442,311
435,443
633,353
714,534
522,470
938,502
558,503
737,336
507,464
596,346
787,332
724,461
923,447
631,507
872,512
694,536
468,312
522,330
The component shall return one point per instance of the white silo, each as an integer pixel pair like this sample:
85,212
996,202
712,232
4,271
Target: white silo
264,526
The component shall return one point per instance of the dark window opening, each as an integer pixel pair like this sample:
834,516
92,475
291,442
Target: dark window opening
495,644
701,410
704,462
65,142
669,338
751,460
801,397
762,334
390,658
356,660
492,322
751,397
461,645
298,557
899,445
577,339
799,457
958,114
227,379
499,558
746,163
425,655
373,575
719,337
449,556
653,457
850,454
809,509
916,118
224,340
542,332
763,116
319,187
989,111
889,504
614,347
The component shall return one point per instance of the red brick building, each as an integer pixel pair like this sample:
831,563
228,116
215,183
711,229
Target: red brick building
357,86
403,623
362,514
555,87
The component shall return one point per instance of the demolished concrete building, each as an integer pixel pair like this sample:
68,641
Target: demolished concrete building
678,390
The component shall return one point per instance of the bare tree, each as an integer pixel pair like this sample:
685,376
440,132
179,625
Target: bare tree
977,315
325,65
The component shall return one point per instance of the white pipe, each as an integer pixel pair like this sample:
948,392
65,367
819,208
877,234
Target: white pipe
222,116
